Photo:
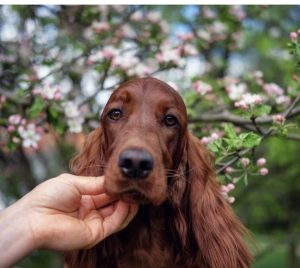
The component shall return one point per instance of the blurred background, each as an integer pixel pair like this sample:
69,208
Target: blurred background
59,64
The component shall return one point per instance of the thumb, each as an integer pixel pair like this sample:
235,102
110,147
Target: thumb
123,214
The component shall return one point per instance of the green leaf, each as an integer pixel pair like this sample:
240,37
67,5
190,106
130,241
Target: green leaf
12,146
54,111
36,108
229,131
261,110
213,147
250,139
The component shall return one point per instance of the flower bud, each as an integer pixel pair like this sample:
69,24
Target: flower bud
229,170
278,119
245,161
263,171
230,186
231,199
11,128
261,162
293,36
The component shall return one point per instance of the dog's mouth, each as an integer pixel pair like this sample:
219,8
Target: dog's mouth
136,196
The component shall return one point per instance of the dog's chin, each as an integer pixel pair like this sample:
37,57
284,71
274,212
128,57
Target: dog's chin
135,196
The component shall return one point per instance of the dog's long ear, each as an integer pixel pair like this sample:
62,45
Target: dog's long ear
217,232
90,161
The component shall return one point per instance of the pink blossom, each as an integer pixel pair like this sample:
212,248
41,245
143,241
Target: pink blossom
36,91
229,170
23,122
2,99
15,119
51,92
283,100
230,186
263,171
237,12
214,136
245,161
248,100
202,87
224,189
11,128
261,162
107,53
273,90
169,54
186,36
209,13
278,119
99,27
293,36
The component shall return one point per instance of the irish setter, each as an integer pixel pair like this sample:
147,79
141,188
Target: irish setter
147,154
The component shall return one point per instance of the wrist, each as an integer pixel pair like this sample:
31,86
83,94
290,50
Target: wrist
15,236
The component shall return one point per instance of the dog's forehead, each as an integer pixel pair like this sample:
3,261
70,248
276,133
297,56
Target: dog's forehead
149,89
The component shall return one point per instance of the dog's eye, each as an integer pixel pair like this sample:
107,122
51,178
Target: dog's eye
115,114
170,121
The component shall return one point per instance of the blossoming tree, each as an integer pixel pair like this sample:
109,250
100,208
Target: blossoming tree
241,86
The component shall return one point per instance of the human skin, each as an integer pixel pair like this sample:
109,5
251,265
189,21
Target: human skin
63,213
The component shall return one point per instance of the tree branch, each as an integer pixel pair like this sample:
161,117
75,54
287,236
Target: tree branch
226,116
287,112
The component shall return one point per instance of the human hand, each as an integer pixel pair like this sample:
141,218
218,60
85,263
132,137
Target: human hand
64,213
71,212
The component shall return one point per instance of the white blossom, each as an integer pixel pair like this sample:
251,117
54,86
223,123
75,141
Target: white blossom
75,124
30,136
236,91
125,61
273,90
50,92
154,16
71,109
15,119
137,15
202,87
248,100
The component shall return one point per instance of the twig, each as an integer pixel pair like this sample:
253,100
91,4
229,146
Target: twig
226,116
266,134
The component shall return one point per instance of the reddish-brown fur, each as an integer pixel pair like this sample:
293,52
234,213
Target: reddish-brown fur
183,220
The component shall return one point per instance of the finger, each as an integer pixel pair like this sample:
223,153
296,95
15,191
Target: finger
114,222
86,185
132,212
102,200
107,211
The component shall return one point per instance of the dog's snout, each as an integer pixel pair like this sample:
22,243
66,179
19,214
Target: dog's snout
136,163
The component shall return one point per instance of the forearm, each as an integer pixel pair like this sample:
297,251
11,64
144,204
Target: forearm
15,236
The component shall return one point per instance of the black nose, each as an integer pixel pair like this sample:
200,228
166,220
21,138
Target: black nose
135,163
